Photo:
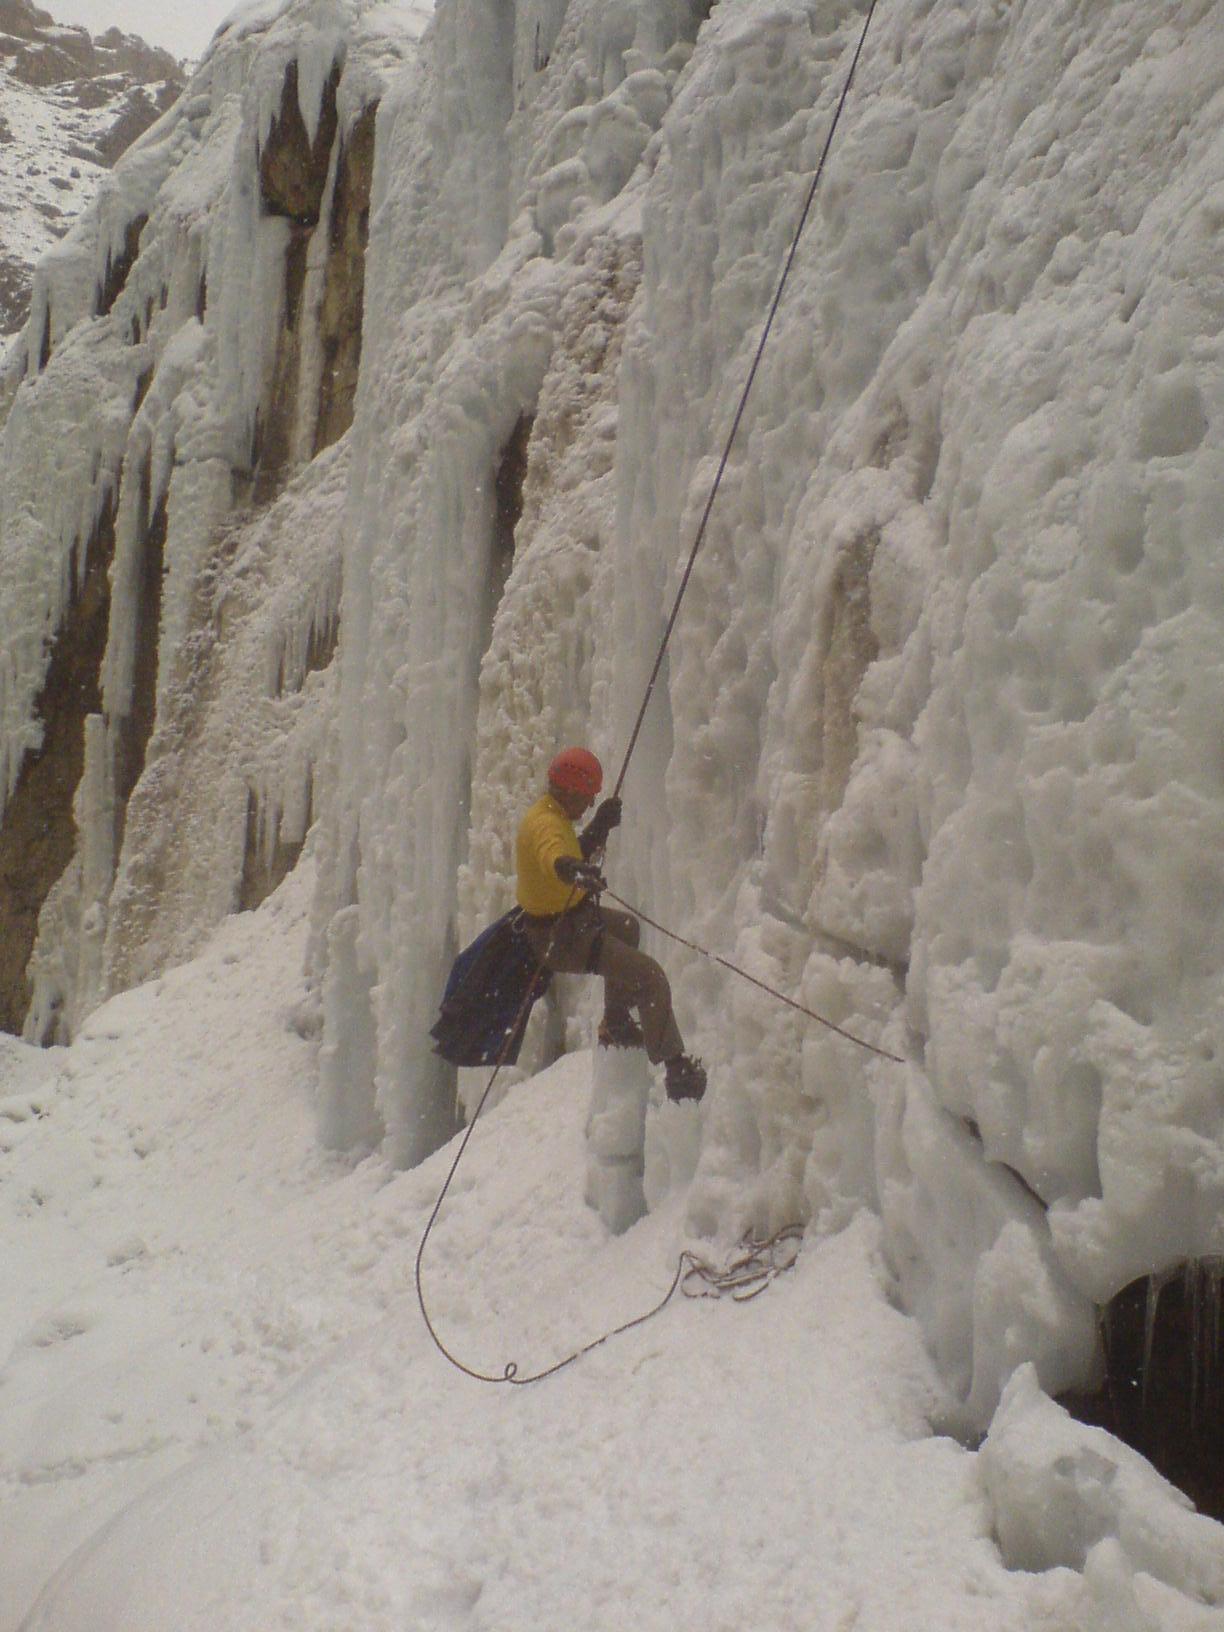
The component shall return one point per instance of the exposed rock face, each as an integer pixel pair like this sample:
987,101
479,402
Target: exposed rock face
294,170
293,165
43,52
70,105
38,836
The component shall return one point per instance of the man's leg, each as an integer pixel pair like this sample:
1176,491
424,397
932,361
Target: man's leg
599,941
634,981
618,1028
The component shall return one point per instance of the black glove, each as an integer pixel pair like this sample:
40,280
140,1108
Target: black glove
600,825
583,873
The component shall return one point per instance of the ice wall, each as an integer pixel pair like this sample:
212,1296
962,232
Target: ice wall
931,748
454,692
167,464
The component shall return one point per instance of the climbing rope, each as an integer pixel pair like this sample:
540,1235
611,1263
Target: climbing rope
699,539
735,969
756,1266
758,1255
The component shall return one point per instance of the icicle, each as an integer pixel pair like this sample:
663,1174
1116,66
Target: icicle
269,112
1192,1293
1155,1286
269,829
1206,1339
315,65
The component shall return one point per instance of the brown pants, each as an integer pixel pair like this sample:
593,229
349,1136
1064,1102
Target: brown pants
595,940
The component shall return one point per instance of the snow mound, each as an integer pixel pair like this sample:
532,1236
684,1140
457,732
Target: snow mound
1066,1494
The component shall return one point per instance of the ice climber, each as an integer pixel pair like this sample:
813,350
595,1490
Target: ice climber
558,888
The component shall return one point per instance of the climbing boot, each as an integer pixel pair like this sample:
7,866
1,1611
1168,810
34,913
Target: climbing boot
684,1077
618,1029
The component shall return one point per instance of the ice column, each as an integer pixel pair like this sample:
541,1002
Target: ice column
616,1136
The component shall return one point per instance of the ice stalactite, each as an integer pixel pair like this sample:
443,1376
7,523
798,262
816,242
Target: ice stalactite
307,644
616,1137
273,843
118,266
43,349
295,166
64,961
37,830
241,734
132,727
508,506
341,314
348,1115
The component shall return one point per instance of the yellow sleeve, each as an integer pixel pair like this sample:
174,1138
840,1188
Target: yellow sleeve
544,836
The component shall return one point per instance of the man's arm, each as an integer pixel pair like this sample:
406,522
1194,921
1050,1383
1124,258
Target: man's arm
600,825
585,874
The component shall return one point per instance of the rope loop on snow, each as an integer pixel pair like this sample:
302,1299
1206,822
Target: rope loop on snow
758,1265
745,1277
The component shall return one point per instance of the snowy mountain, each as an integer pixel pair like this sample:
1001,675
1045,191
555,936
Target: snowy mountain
69,106
352,453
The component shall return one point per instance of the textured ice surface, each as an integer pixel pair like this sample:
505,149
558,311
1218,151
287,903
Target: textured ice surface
1059,1490
616,1136
933,747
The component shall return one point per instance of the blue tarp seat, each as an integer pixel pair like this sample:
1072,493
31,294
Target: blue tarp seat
486,994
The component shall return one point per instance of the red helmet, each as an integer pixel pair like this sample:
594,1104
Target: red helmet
577,771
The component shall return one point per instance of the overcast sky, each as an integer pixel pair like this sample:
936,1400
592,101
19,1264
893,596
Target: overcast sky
182,27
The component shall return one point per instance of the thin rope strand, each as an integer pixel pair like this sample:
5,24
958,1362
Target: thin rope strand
735,969
743,402
687,1263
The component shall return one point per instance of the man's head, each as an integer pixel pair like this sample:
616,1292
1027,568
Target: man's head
574,778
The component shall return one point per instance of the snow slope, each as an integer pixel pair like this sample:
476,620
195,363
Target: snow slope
219,1405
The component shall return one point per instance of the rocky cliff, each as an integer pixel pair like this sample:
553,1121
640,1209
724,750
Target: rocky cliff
69,106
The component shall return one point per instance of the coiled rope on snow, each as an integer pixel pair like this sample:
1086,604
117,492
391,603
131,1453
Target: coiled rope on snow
759,1262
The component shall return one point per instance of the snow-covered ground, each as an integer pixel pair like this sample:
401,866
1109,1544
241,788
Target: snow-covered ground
219,1406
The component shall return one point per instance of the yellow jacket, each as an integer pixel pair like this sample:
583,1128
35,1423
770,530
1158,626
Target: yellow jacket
545,835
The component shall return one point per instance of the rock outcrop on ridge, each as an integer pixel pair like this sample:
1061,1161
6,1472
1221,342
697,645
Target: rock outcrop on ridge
70,105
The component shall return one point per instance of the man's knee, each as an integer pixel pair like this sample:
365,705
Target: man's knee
623,926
